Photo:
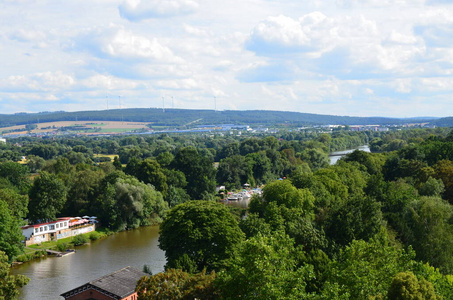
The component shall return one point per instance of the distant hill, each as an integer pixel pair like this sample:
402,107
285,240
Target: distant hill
443,122
181,117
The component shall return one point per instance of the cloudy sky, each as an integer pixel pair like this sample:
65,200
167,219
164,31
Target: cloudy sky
344,57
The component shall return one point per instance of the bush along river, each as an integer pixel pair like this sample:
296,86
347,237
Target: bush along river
52,276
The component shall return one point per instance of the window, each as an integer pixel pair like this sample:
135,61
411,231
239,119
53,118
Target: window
57,225
45,228
51,227
36,230
40,229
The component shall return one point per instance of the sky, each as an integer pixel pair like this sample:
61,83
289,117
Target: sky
391,58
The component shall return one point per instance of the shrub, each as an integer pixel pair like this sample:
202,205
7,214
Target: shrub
79,240
94,236
62,246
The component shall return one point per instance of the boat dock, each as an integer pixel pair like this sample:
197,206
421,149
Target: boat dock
59,254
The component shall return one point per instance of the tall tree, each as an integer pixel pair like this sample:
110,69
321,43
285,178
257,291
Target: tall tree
47,197
199,171
200,234
10,232
150,171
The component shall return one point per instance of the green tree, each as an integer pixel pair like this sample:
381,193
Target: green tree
17,203
16,174
149,171
426,225
205,231
316,158
82,192
126,203
117,164
177,284
365,269
10,232
35,163
47,197
234,171
406,286
357,218
9,284
265,267
199,171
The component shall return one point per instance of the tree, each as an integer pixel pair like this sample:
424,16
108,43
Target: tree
426,225
234,171
35,163
444,171
18,204
206,232
358,218
10,232
199,171
82,192
17,174
149,171
9,284
406,286
177,284
117,164
126,203
47,197
316,158
365,269
261,166
265,267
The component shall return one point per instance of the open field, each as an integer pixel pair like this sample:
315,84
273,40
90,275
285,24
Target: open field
84,127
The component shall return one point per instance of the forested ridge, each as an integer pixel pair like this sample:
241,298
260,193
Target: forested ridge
373,226
181,117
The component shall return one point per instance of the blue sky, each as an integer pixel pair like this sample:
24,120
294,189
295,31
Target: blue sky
389,58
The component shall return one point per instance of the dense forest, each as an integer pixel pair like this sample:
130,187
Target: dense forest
182,117
373,226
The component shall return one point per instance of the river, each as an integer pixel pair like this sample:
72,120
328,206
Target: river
335,156
52,276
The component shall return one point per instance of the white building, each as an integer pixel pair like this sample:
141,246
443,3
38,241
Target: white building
55,230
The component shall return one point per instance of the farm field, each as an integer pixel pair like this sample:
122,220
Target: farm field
82,127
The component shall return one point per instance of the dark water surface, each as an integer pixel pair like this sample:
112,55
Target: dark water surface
54,275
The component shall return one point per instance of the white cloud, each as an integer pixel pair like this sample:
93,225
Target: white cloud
47,81
116,42
137,10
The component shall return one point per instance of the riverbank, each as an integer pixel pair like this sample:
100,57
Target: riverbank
38,251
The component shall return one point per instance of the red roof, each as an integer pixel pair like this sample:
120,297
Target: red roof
41,224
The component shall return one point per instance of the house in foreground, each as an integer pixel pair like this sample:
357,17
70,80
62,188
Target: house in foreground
119,285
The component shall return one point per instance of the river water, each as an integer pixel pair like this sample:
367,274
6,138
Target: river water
52,276
335,156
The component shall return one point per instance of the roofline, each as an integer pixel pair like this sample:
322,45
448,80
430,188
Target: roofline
47,223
